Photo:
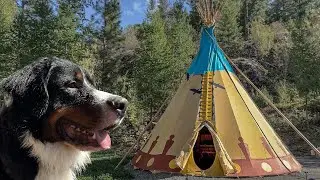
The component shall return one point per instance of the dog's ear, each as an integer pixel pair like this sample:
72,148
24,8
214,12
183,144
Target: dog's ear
26,90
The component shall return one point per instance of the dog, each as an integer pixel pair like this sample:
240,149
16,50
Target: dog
51,118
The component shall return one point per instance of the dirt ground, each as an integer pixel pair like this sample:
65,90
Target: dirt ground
311,171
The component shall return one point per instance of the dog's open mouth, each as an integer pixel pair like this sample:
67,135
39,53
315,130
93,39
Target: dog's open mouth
87,139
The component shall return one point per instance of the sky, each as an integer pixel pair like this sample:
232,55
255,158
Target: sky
132,11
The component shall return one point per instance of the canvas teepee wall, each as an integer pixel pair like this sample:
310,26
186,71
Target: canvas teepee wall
212,127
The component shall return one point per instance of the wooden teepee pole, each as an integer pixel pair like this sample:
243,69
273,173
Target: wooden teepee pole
208,10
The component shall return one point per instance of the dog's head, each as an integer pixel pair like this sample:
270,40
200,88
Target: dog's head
56,101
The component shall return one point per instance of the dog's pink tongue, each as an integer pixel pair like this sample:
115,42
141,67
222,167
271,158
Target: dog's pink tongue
103,140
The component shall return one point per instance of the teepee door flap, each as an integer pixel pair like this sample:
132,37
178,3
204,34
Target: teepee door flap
187,161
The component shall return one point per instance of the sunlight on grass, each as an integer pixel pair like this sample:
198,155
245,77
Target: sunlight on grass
102,167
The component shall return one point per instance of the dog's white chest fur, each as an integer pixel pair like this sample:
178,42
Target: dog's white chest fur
56,160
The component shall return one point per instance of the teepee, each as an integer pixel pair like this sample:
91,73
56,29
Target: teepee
212,127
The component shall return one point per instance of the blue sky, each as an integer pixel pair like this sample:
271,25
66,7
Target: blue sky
132,11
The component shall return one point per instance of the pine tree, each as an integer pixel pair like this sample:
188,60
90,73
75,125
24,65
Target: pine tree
110,51
163,8
69,42
34,31
7,13
261,35
305,58
152,71
180,38
291,9
252,10
228,30
195,19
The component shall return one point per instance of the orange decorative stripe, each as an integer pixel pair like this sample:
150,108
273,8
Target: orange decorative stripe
159,162
245,167
266,167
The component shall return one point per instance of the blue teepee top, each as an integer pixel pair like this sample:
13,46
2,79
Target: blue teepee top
210,57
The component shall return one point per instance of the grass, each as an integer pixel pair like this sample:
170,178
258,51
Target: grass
102,167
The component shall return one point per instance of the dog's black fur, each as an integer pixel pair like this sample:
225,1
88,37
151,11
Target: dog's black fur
31,96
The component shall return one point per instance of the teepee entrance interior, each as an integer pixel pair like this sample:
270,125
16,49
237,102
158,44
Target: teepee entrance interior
204,152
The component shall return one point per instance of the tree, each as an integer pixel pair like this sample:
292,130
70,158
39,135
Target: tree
195,19
34,31
152,70
68,41
261,37
291,9
279,55
163,8
180,38
7,13
305,58
228,29
252,10
110,48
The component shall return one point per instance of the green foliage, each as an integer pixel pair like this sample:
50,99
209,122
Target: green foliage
195,19
180,38
279,53
314,106
37,31
69,41
263,36
305,58
7,12
252,10
291,9
166,47
109,65
287,94
163,8
259,100
259,9
228,29
152,71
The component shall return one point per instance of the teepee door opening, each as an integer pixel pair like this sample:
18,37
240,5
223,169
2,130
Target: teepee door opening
203,151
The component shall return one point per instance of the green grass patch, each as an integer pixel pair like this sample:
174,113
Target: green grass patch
102,167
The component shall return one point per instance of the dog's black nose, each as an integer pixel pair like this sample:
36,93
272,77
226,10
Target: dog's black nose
120,104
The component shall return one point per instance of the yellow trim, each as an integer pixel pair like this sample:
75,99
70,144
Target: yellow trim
205,113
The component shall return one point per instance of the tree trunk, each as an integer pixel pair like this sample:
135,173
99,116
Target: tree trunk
151,110
306,106
246,21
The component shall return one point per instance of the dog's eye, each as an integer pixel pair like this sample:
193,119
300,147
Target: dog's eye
72,84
